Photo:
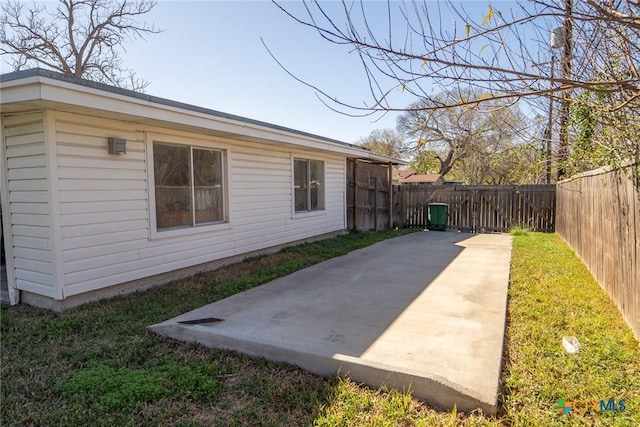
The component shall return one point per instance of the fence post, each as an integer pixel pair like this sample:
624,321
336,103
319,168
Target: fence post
375,204
355,194
474,210
401,203
390,201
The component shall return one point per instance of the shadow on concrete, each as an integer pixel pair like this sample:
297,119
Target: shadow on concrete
420,311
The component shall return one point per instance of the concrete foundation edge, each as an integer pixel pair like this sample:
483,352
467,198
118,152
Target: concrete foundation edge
146,283
434,390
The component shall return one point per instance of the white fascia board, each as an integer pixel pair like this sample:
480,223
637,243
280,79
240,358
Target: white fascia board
46,89
23,90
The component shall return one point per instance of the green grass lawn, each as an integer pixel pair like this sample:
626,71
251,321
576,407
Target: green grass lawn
98,365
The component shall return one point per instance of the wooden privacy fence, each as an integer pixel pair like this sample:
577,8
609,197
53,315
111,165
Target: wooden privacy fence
599,217
368,195
482,208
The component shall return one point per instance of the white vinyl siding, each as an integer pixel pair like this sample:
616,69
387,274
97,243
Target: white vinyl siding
29,203
106,203
103,209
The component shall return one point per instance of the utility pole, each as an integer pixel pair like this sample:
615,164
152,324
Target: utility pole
557,41
563,152
549,130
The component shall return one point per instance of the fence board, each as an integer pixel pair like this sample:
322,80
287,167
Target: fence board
368,193
482,208
599,217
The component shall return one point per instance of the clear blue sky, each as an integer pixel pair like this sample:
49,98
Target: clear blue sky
211,55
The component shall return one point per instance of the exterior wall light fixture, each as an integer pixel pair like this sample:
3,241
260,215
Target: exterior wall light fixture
117,146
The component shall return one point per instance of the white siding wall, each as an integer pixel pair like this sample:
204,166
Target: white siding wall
104,203
29,203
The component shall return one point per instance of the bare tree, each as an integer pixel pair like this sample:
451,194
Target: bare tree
464,137
386,142
498,54
81,38
426,47
511,164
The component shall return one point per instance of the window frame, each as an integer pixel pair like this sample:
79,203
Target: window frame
193,228
308,212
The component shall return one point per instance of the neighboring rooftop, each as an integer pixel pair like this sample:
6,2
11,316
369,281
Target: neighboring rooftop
409,176
403,173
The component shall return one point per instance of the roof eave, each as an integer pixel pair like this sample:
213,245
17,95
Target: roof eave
47,88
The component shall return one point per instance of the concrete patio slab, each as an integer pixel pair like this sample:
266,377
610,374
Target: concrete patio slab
424,312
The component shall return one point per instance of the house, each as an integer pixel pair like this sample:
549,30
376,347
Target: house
423,179
410,177
401,174
107,191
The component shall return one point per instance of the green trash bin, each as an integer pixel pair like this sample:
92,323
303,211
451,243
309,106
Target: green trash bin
437,216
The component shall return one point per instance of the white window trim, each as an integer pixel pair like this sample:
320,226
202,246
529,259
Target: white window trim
154,234
306,214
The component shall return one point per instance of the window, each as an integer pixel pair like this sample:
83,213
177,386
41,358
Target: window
308,185
189,188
